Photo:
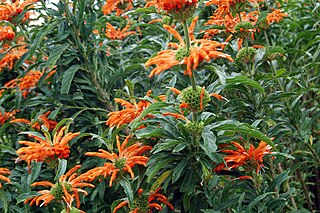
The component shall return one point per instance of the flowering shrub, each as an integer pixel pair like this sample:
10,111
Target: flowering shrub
159,106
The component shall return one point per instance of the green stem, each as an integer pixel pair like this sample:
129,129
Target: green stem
192,79
187,40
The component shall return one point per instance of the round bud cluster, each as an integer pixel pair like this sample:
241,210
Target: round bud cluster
181,54
195,127
141,203
72,210
57,190
246,55
192,98
120,163
243,29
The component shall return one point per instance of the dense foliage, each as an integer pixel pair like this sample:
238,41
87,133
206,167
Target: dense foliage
163,105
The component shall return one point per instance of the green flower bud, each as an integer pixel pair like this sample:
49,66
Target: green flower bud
242,29
195,127
192,98
246,55
181,54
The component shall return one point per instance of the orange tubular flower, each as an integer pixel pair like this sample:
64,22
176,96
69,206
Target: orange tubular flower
146,202
45,150
6,33
253,157
200,50
6,116
42,120
276,15
66,189
127,158
173,6
113,34
11,56
131,111
4,171
28,82
116,5
8,11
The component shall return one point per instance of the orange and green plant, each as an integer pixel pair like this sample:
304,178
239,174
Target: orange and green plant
159,106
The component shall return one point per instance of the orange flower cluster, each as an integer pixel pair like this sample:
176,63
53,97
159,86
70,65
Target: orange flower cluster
253,157
14,54
3,172
150,201
229,22
116,5
113,34
172,5
6,33
8,11
45,150
41,120
275,15
200,50
130,112
28,82
224,6
66,189
125,160
6,116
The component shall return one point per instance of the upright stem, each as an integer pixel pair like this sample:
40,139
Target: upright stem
187,40
192,77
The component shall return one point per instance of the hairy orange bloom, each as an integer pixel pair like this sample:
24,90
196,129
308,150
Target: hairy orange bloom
116,5
253,157
8,11
172,5
41,120
66,189
45,149
113,34
125,160
200,50
131,111
147,202
224,6
6,33
11,56
4,171
28,82
6,116
275,15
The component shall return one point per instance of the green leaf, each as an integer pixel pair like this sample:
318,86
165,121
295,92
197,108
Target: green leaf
130,87
24,196
244,80
237,127
67,78
179,170
55,55
127,189
36,134
35,171
210,211
157,183
257,200
61,168
209,145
